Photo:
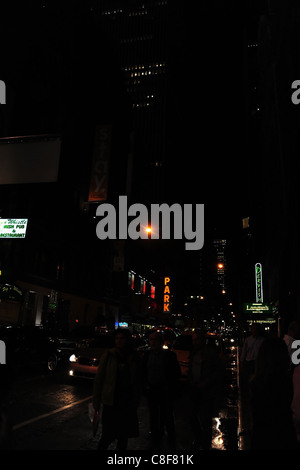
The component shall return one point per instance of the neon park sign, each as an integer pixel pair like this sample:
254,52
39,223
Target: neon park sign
166,295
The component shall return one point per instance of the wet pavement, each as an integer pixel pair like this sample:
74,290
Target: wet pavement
225,425
51,413
225,431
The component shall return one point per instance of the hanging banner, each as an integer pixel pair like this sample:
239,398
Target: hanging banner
99,173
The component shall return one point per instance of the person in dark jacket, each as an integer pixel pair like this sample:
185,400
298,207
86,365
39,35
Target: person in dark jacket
117,390
161,381
271,392
206,379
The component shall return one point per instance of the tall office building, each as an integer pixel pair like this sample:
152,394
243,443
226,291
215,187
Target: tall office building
220,248
136,32
272,60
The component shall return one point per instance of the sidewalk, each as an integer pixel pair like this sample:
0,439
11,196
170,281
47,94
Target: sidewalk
226,425
225,430
244,417
244,426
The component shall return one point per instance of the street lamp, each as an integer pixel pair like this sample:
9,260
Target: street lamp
149,231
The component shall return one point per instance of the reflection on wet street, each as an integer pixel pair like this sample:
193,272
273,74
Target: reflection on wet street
218,439
51,412
225,426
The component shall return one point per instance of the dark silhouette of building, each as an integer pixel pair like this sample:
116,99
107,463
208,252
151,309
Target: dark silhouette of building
56,88
272,53
132,67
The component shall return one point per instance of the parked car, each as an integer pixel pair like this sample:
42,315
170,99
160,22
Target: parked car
28,346
83,363
66,347
183,346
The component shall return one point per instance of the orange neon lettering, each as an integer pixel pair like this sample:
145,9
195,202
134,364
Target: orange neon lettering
167,290
166,298
166,307
167,280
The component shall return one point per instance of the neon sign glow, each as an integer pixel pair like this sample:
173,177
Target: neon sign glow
166,295
258,283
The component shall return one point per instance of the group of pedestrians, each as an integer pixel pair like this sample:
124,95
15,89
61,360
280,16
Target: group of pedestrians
123,377
270,389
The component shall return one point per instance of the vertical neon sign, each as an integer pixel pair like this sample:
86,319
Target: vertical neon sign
166,295
258,283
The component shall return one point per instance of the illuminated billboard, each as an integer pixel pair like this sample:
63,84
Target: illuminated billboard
13,228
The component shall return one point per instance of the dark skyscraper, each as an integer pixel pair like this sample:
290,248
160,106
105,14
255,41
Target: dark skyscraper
136,33
166,81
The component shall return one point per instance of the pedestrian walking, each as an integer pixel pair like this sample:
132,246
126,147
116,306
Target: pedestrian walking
117,388
249,353
271,391
206,379
161,372
248,357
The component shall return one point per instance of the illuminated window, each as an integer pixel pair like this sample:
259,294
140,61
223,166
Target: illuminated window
152,292
143,286
131,280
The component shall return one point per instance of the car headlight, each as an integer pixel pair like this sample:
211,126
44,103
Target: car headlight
73,358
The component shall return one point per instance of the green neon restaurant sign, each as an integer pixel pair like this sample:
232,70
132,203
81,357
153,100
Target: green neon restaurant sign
258,312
